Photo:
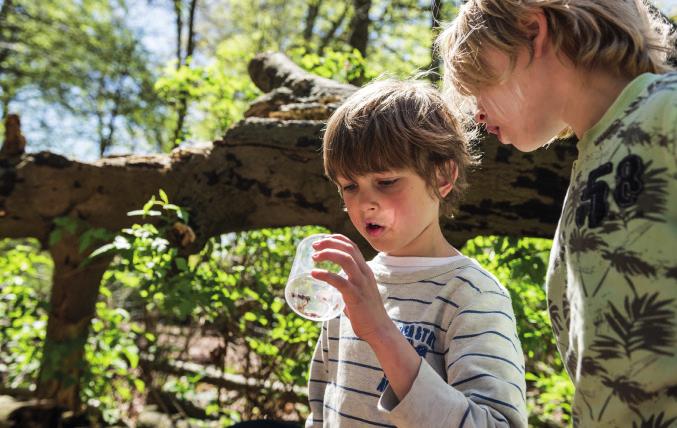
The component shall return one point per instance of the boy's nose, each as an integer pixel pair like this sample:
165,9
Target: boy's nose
368,201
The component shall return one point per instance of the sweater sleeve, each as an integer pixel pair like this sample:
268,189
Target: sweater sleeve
317,381
484,368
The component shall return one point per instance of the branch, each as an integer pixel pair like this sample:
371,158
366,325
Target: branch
267,173
274,70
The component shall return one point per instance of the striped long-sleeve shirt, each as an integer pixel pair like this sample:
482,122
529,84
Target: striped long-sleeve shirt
460,321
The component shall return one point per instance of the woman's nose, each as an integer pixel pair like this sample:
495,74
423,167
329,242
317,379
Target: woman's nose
480,116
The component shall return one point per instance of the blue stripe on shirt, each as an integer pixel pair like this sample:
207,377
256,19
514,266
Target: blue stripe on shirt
447,301
495,357
359,391
345,415
499,294
493,400
481,271
428,281
465,416
355,363
400,299
469,283
474,311
470,379
466,336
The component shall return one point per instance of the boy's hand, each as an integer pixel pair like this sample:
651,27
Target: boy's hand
364,306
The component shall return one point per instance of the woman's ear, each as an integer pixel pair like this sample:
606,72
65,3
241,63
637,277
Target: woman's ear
445,182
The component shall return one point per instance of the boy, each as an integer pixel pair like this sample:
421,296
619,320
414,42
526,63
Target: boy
428,338
597,68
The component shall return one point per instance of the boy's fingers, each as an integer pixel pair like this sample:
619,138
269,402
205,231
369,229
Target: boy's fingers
341,258
345,244
337,281
350,243
330,243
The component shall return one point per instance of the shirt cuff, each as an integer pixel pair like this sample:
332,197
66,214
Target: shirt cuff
430,398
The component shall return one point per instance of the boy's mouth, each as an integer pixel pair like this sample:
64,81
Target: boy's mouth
374,229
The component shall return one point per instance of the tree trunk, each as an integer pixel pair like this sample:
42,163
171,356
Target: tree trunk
435,18
266,172
71,308
359,32
182,59
311,17
359,26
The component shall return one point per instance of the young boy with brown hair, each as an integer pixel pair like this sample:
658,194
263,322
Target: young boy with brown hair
536,69
428,337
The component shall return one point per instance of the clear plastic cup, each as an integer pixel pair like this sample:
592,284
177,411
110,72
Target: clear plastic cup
312,299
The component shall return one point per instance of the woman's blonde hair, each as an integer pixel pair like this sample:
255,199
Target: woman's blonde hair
618,35
396,124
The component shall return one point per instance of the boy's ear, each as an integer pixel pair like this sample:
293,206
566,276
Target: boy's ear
536,26
444,183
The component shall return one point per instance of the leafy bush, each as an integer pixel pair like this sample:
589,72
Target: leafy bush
233,288
25,277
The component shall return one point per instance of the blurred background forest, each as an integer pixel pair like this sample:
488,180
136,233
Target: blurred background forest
204,339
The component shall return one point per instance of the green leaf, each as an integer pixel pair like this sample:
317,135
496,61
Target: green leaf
181,263
104,249
164,197
54,237
148,205
132,357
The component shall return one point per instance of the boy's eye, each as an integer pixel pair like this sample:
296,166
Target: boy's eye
349,187
386,183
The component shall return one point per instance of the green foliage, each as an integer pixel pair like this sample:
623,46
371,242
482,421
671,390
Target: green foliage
520,265
90,65
25,277
343,66
111,378
233,287
218,93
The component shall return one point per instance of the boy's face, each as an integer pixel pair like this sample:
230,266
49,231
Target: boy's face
394,210
522,109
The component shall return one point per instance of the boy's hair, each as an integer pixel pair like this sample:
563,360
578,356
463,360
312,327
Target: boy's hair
618,35
393,124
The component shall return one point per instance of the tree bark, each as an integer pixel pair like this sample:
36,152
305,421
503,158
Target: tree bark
359,32
435,18
311,17
359,26
182,59
266,172
72,305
